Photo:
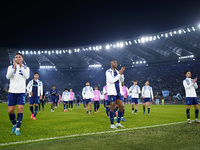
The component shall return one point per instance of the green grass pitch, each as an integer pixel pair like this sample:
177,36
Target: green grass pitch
60,123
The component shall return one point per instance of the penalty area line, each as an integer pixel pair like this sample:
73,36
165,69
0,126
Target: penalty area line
86,134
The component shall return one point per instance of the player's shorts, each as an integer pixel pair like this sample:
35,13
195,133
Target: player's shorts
113,98
134,100
16,99
65,102
53,99
34,100
88,101
106,102
191,100
147,100
124,100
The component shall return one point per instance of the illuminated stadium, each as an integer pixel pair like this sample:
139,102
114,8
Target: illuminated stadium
70,89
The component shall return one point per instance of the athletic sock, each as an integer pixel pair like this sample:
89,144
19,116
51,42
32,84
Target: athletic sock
132,109
114,112
64,106
31,108
107,111
123,112
19,119
119,116
116,109
12,118
111,117
135,110
188,113
148,110
144,109
36,110
196,113
87,112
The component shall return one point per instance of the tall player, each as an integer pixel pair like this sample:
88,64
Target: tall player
135,90
147,94
190,86
124,99
88,95
17,74
53,97
106,101
65,99
35,90
71,100
114,79
96,99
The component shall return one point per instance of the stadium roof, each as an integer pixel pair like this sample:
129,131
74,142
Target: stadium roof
174,44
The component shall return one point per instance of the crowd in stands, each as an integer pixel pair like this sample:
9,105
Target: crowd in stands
161,77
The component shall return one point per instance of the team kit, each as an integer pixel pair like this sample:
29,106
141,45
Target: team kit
115,95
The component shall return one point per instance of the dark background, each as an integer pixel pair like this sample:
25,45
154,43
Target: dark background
58,24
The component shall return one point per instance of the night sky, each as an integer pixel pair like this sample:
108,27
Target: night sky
56,25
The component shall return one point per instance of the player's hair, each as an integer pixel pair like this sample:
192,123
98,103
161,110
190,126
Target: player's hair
36,73
87,82
112,60
186,71
19,54
134,80
53,85
65,88
95,86
146,81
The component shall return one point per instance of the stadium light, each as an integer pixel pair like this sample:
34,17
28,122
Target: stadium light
107,47
114,46
22,52
142,39
137,62
166,35
188,29
121,44
130,42
49,52
150,38
126,43
95,66
97,48
31,52
117,44
70,51
179,31
42,52
60,52
35,52
174,32
193,28
90,48
56,51
39,52
135,41
52,52
144,62
26,52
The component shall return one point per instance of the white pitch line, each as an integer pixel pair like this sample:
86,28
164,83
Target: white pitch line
95,133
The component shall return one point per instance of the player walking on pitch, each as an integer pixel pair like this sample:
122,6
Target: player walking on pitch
17,74
114,79
35,90
190,86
